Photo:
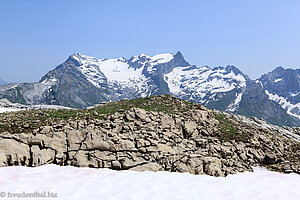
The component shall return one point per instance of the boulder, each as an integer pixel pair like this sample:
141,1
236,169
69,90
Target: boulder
14,153
147,167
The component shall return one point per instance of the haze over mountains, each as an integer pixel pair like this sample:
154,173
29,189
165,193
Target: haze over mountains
82,81
2,82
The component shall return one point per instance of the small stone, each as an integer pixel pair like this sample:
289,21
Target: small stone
47,129
116,165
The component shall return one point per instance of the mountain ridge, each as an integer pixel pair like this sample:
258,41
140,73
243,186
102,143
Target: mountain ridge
83,81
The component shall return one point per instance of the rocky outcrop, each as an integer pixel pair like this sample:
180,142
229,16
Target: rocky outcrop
194,140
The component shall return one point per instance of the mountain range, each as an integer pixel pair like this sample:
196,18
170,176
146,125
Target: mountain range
83,81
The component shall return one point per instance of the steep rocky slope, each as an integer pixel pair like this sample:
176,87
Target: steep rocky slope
153,133
282,86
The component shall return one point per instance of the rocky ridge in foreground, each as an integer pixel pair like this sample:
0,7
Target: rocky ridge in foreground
154,133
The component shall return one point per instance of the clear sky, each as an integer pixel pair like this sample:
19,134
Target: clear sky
254,35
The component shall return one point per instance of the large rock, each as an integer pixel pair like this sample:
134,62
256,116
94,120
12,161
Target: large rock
14,153
141,115
213,166
42,156
189,128
148,167
46,129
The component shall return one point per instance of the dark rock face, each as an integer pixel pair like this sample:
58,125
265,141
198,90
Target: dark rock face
197,140
282,81
285,84
72,88
256,103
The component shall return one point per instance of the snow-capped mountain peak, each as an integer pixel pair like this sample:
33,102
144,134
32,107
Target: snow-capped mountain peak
101,72
197,83
153,60
83,59
161,58
121,69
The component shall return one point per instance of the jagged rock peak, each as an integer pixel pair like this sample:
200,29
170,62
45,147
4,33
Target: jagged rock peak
278,69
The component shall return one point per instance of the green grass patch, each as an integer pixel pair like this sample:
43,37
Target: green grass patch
63,114
143,103
229,130
26,121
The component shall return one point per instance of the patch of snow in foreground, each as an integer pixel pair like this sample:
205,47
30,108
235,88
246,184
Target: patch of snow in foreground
86,183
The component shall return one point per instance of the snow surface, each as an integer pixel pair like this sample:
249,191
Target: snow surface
116,69
112,69
31,107
7,106
277,80
154,60
87,183
284,103
294,94
161,58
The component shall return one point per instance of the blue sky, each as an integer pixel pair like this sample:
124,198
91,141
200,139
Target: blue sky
255,36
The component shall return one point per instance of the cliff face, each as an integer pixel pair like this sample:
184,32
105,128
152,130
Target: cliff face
155,133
